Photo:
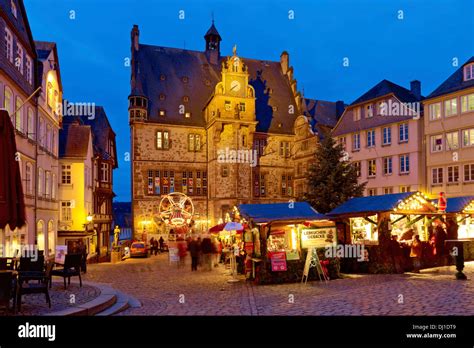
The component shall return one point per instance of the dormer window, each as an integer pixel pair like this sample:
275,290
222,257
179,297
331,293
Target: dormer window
187,115
185,99
185,79
369,110
162,113
162,96
469,72
162,77
13,7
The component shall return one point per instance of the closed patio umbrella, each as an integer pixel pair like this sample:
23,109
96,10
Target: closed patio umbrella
12,205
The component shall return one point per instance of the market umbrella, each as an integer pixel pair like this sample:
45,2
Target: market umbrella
12,205
233,226
217,228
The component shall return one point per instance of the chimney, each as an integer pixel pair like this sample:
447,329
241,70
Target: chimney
415,88
135,35
284,62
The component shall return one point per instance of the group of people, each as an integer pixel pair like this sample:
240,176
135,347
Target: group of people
156,245
204,252
436,248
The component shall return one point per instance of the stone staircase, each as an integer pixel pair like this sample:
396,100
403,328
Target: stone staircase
109,302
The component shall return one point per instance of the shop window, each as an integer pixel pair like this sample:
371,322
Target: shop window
364,231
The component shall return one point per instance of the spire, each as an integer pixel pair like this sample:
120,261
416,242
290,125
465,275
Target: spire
213,43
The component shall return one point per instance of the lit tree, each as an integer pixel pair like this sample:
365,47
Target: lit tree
331,179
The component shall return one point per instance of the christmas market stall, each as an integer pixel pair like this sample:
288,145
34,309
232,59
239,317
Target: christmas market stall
278,238
384,227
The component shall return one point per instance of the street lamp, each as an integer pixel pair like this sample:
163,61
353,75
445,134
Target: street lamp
89,218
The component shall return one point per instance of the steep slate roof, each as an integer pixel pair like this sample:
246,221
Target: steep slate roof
43,50
174,64
279,212
74,140
370,204
212,31
381,89
454,83
21,23
322,112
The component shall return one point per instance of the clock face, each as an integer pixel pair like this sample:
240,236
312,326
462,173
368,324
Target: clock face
235,86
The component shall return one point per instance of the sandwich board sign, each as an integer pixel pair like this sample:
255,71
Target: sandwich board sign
312,260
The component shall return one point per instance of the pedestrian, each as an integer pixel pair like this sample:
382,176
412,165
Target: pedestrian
396,253
193,249
440,237
207,250
83,251
200,251
162,242
219,251
155,247
152,245
415,253
182,251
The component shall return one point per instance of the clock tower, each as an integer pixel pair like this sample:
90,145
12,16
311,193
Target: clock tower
231,123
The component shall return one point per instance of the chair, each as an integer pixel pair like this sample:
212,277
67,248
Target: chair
72,268
6,289
3,263
25,287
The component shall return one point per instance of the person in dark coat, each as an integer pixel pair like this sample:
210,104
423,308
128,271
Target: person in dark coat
396,252
81,249
194,249
440,237
161,242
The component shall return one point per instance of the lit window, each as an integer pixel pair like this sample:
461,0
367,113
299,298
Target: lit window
19,58
387,165
469,72
467,103
437,176
187,115
29,70
50,94
369,110
357,167
437,143
404,164
285,149
66,211
435,111
162,113
451,107
9,45
19,114
452,141
185,99
371,168
104,172
468,137
162,140
8,101
194,142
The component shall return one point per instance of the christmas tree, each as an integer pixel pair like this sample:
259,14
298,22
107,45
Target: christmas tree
331,179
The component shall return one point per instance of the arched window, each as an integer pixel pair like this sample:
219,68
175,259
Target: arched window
18,115
51,237
40,234
8,101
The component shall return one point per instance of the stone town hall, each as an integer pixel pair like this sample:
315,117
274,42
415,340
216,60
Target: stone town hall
186,107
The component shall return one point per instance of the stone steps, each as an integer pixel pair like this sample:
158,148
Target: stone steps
109,302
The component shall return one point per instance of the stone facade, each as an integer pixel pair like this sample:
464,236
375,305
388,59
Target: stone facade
219,129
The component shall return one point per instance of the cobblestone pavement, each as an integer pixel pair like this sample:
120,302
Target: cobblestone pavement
73,296
167,290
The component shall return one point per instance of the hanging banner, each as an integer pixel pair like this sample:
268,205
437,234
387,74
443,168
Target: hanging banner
278,259
157,185
171,185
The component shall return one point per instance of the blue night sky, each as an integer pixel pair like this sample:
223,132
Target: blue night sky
92,48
